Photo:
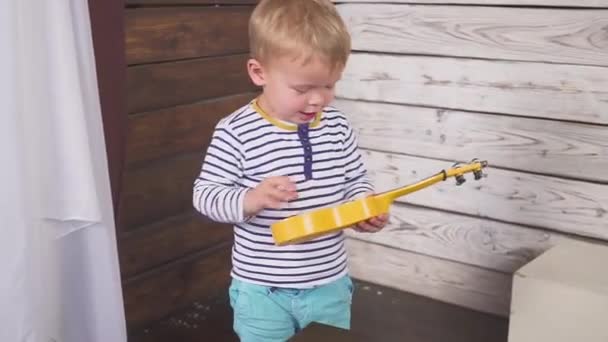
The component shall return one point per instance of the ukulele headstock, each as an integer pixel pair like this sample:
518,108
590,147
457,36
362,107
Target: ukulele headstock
458,170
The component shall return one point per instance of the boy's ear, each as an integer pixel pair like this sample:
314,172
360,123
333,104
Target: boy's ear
256,72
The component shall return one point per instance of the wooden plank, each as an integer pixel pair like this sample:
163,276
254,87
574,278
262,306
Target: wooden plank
107,34
162,34
168,240
158,190
379,314
548,147
539,201
190,2
567,92
470,240
155,86
447,281
175,130
383,314
548,3
545,3
529,34
154,295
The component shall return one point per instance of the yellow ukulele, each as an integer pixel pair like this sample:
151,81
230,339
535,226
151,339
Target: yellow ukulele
322,221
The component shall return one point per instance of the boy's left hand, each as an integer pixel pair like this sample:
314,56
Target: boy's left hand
372,225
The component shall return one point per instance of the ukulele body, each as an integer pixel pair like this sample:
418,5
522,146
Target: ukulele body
326,220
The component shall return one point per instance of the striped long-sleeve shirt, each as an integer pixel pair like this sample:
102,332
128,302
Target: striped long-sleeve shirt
321,158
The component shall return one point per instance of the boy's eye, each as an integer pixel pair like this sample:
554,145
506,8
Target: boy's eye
302,90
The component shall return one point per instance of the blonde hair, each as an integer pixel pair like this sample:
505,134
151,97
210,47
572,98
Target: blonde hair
298,28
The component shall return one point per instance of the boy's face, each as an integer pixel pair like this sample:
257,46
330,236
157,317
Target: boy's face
294,92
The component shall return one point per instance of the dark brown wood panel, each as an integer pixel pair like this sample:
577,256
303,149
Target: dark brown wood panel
190,2
156,86
154,295
108,33
187,71
186,128
162,34
158,190
200,322
167,240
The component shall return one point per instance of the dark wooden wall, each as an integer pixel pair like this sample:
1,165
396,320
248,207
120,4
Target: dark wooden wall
108,33
186,70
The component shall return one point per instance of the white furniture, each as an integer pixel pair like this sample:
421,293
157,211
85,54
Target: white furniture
562,296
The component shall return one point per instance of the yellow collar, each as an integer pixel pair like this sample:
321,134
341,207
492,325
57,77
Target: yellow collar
283,124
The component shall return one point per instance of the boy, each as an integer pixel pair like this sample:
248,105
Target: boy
282,154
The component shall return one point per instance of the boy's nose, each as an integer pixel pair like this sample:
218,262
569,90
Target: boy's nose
316,100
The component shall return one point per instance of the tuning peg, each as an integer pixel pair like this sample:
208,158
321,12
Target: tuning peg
460,179
484,163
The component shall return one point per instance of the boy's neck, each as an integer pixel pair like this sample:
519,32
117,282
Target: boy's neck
263,104
263,109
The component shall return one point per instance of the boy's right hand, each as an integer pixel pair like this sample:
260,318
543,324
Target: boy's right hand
271,193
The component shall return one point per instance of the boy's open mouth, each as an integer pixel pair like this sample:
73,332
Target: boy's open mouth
309,115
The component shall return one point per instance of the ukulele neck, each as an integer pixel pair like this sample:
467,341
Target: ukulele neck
391,195
386,198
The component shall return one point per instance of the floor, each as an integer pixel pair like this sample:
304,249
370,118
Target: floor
379,314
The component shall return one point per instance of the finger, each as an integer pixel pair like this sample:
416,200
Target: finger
288,188
365,227
376,222
292,194
283,183
383,217
273,204
274,201
282,196
379,221
357,229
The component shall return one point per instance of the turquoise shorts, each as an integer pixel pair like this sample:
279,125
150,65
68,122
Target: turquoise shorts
266,314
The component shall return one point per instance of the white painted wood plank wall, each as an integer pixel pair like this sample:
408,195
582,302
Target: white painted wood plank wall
544,3
522,83
554,148
549,91
527,34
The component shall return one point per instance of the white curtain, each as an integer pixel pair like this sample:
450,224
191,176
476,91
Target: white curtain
59,273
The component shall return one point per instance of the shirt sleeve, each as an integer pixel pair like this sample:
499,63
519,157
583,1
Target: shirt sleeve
357,182
217,193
